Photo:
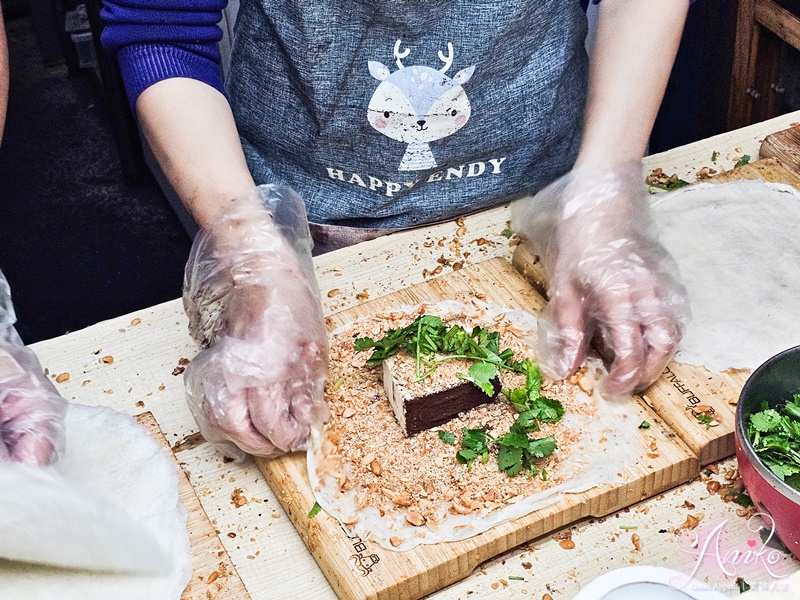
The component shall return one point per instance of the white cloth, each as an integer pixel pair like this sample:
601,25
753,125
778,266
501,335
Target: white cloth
738,249
105,522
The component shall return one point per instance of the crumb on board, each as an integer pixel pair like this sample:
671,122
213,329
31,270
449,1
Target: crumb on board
636,540
691,522
238,498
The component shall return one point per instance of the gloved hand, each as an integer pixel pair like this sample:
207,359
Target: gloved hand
31,410
609,277
254,306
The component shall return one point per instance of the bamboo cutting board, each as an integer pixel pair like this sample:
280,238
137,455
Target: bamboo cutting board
213,575
359,569
681,386
785,146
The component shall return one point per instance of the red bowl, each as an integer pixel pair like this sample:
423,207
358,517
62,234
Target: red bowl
774,382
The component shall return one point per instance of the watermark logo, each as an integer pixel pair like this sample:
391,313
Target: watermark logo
758,552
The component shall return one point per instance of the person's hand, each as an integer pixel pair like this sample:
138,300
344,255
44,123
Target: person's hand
31,410
610,278
254,306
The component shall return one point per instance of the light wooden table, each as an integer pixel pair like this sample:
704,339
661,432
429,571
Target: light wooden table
269,555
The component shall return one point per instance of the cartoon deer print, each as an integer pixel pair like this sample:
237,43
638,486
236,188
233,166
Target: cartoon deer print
418,104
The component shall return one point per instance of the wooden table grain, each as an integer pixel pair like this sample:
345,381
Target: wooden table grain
270,557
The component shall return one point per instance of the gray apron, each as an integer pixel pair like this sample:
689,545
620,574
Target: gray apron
390,115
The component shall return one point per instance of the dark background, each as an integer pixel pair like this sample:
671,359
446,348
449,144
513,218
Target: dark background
79,245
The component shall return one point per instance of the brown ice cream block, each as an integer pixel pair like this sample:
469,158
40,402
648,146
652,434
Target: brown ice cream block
421,405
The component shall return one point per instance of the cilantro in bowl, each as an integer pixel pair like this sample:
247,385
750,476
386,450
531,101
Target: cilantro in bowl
775,435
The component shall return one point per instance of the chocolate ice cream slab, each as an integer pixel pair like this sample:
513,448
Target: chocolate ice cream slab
434,400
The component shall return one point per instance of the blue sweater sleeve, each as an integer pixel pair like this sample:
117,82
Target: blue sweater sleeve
159,39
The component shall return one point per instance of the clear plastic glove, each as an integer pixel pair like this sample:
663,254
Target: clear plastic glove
254,306
31,410
610,278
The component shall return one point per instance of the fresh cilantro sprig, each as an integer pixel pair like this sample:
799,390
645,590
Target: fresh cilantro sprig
421,338
528,400
775,435
516,451
474,444
483,375
430,341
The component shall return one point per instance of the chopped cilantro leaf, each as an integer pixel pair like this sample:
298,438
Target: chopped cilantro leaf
765,421
527,421
466,456
529,399
644,425
548,410
481,374
705,419
473,445
517,452
509,459
518,398
314,510
742,161
474,439
447,437
743,585
793,408
714,156
364,343
516,578
543,447
671,185
506,233
517,437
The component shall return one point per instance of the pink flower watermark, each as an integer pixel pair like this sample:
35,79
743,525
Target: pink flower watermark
754,552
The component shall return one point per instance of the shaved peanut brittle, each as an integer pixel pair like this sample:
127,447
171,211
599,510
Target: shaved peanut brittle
418,476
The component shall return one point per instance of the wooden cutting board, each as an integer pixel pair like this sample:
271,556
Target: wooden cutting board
359,569
681,386
785,146
213,575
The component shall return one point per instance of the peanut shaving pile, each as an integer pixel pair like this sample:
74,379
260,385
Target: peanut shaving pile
403,491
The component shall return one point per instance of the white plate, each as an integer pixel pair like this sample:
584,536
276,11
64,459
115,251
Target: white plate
652,583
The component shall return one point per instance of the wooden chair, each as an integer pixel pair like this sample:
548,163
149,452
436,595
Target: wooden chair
760,28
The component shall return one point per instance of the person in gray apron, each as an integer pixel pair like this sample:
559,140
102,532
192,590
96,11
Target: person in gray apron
385,116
